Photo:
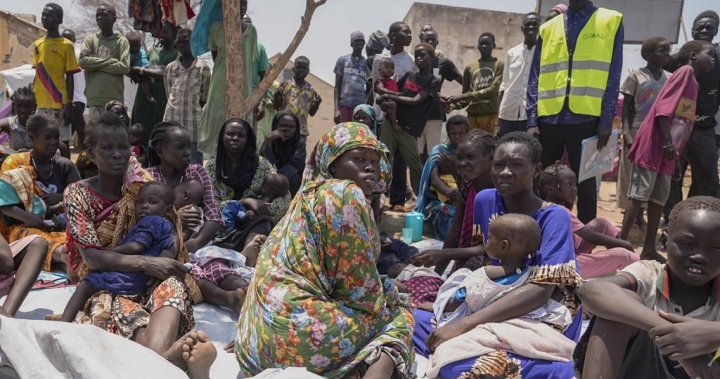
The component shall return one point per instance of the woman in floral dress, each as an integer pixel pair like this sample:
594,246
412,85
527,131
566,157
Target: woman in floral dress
317,300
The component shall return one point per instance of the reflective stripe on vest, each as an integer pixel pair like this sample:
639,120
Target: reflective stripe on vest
583,77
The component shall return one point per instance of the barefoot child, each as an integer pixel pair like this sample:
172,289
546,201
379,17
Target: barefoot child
663,134
652,316
512,241
153,235
387,85
558,184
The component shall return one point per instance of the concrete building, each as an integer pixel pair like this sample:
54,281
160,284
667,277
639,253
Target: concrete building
323,119
17,34
458,30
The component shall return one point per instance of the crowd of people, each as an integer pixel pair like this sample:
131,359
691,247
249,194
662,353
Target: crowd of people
172,204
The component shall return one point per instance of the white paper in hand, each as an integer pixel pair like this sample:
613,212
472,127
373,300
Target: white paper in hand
594,162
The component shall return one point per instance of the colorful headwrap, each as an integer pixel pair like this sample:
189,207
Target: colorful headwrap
367,109
339,140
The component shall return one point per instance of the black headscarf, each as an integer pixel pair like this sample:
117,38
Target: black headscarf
282,151
240,179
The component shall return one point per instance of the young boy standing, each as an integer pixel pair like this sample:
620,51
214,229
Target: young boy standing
418,90
350,80
105,57
640,89
512,114
187,81
55,63
481,84
663,134
297,95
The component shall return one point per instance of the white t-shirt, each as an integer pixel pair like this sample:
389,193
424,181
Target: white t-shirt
79,86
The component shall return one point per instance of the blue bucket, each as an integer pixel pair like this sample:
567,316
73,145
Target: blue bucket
414,220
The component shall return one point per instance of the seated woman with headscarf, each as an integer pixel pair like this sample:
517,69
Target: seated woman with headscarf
237,173
433,189
316,299
284,148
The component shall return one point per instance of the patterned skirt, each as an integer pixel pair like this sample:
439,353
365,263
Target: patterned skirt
125,315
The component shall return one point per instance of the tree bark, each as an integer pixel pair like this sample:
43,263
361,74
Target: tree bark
234,95
235,103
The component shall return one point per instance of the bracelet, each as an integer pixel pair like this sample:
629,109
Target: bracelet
668,145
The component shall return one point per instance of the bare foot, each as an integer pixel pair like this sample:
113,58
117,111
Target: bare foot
176,351
238,298
199,356
652,255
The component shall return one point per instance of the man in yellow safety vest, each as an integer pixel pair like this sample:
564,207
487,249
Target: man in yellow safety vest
573,87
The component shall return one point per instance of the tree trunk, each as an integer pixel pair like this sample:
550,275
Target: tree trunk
235,103
234,95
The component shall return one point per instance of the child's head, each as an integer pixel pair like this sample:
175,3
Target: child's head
24,104
69,35
693,247
558,184
530,26
705,26
189,192
170,144
386,68
699,54
105,18
457,128
424,55
447,165
655,51
119,109
486,44
154,199
52,16
135,40
44,135
182,42
137,133
475,155
430,37
512,238
274,186
301,69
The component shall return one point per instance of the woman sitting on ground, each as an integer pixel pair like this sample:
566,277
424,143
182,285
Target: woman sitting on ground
284,148
552,269
316,299
100,212
31,191
84,163
170,160
437,197
237,173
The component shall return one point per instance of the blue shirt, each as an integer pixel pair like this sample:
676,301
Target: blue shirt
575,22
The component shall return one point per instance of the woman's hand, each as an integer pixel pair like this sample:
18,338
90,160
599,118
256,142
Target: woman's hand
429,258
163,268
258,206
275,135
443,334
686,338
190,217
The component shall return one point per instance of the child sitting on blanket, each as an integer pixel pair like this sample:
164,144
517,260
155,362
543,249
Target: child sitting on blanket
558,184
512,239
153,235
190,193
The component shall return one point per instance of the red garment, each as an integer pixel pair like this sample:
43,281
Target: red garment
675,101
176,12
390,84
423,289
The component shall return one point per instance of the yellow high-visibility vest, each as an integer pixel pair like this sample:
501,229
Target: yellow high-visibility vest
583,76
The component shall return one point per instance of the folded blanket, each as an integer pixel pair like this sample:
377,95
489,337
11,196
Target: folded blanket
528,338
